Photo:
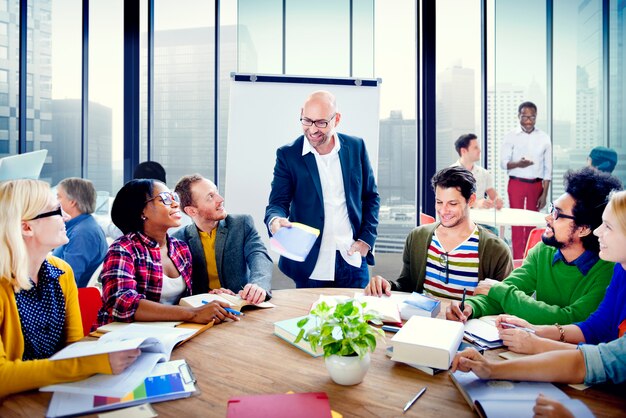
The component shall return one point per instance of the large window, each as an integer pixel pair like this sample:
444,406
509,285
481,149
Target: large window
55,79
578,112
395,24
106,95
183,139
519,73
458,76
617,85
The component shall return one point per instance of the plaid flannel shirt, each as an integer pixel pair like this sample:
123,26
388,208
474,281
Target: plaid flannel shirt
132,271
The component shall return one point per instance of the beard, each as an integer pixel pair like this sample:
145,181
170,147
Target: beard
552,242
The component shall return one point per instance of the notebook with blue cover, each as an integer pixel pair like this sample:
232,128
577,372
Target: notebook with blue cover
296,242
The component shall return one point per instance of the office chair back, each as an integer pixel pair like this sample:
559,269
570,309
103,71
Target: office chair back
90,302
533,239
426,219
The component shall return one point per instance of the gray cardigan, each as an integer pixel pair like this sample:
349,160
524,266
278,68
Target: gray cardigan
494,258
240,255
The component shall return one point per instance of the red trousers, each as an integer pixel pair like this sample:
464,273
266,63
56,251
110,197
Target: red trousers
522,195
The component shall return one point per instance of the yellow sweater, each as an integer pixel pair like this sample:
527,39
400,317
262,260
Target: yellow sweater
17,375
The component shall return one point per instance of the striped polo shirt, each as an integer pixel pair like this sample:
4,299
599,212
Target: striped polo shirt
448,273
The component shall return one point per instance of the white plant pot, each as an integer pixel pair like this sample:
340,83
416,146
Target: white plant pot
347,370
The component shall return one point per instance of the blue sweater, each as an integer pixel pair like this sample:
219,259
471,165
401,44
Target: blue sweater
86,249
602,326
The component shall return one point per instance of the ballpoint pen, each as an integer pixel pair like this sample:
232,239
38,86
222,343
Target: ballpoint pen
232,311
507,325
412,401
462,306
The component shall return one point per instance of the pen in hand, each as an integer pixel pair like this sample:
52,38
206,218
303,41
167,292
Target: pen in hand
507,325
412,401
462,306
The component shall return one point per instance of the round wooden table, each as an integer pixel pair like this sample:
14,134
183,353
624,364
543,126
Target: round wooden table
245,358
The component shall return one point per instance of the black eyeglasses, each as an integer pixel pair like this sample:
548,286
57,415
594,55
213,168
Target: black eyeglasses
523,117
57,211
443,261
556,213
320,123
166,197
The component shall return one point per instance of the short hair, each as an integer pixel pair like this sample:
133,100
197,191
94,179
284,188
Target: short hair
458,177
183,188
617,203
127,209
590,189
82,191
19,200
530,105
150,170
463,142
603,158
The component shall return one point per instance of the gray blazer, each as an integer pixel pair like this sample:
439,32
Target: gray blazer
240,255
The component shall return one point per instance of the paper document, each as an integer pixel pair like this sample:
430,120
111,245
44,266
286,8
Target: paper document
147,338
296,242
170,380
116,385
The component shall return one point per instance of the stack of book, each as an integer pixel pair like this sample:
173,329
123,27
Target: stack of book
428,342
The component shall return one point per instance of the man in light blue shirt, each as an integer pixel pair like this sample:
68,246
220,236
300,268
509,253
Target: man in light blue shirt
87,244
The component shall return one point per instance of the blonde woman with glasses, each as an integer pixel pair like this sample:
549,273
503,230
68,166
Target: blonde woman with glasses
39,311
145,271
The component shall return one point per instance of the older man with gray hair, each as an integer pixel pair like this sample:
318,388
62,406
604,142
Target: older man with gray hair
87,244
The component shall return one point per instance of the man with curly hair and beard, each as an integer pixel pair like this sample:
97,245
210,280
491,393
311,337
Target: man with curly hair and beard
562,280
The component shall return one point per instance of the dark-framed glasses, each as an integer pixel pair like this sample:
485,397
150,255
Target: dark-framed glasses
166,197
57,211
320,123
556,213
532,118
443,262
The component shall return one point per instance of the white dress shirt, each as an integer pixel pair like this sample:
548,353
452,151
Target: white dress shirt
484,179
337,231
534,146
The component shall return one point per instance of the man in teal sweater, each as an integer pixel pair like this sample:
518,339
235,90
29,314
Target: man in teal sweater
562,280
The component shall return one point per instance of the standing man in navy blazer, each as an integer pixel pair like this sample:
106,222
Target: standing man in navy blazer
326,182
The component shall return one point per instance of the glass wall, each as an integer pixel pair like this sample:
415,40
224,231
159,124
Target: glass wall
183,102
578,111
56,98
520,74
617,85
458,76
317,38
260,32
9,77
396,25
105,152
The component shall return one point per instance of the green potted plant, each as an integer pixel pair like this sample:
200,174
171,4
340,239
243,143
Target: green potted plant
344,333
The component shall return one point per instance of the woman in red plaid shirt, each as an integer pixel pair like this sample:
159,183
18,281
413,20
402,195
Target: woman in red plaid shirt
145,271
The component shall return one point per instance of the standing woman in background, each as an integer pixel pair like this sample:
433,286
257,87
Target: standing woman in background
145,271
39,311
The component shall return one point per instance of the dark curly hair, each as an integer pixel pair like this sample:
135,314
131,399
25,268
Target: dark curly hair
458,177
129,203
590,189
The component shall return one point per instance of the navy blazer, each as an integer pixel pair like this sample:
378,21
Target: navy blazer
240,255
297,195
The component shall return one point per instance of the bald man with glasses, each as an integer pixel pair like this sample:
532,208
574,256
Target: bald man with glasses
324,179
